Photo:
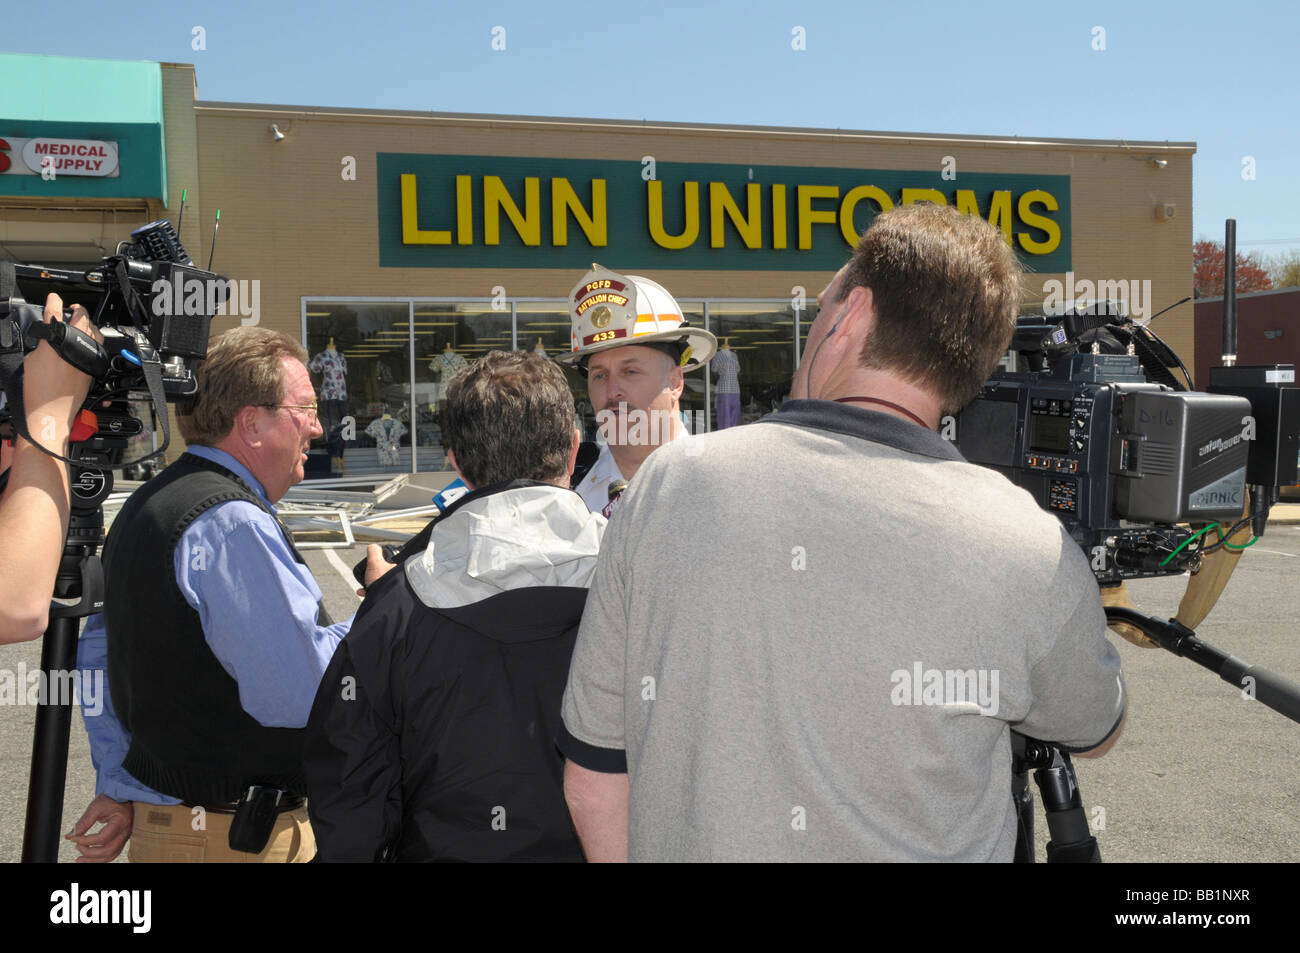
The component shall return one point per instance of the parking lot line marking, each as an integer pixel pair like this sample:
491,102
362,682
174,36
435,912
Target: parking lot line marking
345,571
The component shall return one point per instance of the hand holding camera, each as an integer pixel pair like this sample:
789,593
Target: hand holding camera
34,507
53,387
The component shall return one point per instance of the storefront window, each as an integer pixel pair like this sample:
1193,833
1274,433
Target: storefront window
376,412
544,327
447,338
359,356
751,375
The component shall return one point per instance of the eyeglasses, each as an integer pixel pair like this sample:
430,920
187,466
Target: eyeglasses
312,410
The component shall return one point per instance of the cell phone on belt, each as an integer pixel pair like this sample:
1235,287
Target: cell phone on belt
254,819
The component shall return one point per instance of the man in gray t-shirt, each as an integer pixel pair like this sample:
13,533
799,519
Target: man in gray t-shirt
845,691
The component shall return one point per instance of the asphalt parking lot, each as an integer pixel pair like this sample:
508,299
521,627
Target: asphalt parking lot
1201,774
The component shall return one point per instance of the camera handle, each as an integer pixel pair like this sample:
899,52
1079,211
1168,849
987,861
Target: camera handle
1277,692
1054,774
70,343
75,346
1071,839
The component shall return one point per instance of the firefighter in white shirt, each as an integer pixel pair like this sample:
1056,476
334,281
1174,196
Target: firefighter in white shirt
633,344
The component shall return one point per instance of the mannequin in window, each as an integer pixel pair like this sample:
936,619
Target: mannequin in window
445,366
727,366
388,433
333,368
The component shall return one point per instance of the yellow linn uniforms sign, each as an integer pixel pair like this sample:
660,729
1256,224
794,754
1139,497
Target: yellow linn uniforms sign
688,216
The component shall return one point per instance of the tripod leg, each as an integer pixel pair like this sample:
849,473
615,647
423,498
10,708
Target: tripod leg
50,745
1072,841
1023,798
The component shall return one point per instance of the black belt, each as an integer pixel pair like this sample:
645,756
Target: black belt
290,802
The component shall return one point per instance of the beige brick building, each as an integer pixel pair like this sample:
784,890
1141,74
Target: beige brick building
405,237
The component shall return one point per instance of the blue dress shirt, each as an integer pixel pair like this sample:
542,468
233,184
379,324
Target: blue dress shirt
258,608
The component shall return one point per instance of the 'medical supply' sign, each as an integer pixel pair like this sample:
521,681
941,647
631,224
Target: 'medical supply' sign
58,157
444,211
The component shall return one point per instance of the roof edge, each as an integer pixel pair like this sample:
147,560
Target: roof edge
337,112
1293,289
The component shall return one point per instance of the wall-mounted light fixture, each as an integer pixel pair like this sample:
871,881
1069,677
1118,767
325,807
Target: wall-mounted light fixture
1156,161
276,134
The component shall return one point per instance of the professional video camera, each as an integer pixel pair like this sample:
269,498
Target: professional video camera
1094,424
154,309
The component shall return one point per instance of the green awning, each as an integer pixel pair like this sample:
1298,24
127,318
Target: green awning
86,106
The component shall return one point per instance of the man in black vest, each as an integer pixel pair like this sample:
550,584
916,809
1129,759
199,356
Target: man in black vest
215,639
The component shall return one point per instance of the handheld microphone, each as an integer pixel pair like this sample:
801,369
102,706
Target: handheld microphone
616,489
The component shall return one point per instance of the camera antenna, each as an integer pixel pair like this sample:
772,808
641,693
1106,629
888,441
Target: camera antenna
181,214
1230,292
1170,308
212,250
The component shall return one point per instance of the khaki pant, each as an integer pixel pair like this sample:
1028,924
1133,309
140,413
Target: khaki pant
166,834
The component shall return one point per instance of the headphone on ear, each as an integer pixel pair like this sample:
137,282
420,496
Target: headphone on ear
813,360
836,326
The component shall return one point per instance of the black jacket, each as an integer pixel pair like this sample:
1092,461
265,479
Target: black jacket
432,734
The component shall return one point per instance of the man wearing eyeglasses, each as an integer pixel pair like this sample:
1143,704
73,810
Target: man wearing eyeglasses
212,633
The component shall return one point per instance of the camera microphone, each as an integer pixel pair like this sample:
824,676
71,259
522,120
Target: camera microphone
160,241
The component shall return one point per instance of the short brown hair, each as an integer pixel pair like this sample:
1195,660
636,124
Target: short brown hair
509,416
947,290
243,369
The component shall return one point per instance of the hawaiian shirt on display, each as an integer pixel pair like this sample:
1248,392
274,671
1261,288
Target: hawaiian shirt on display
446,365
333,367
387,431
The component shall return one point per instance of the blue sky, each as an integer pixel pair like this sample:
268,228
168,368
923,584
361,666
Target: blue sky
1224,75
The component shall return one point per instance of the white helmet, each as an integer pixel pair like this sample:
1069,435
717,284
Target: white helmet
612,310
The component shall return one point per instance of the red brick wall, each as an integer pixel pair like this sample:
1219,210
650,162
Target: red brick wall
1256,313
